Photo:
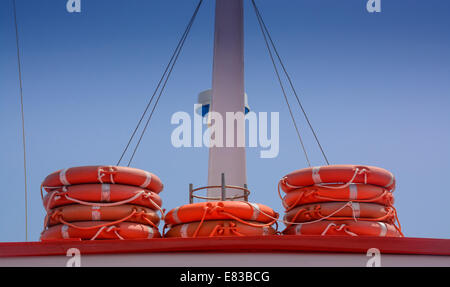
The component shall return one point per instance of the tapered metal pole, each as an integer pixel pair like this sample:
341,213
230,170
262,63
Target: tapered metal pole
223,195
228,95
191,194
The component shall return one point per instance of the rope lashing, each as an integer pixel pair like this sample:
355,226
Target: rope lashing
355,174
289,223
336,227
110,226
206,211
100,225
220,229
101,173
108,229
373,199
349,203
315,193
392,211
316,213
142,193
219,209
49,187
357,171
57,216
399,227
302,195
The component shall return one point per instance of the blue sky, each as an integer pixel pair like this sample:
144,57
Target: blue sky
376,88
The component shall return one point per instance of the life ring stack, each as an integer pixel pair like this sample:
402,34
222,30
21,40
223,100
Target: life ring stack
101,202
349,200
220,217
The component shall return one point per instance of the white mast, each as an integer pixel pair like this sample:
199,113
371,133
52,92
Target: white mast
228,94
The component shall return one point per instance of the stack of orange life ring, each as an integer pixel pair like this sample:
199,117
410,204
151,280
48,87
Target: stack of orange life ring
220,218
101,202
348,200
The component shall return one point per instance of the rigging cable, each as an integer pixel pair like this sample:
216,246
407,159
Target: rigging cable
264,27
166,75
183,40
23,120
281,85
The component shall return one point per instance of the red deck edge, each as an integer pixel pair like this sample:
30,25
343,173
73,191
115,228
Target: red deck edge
264,244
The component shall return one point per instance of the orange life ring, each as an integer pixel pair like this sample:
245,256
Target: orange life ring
103,174
344,228
217,210
87,230
215,228
353,192
338,174
101,193
77,212
341,211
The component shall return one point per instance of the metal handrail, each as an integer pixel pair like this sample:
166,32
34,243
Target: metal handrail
192,195
223,188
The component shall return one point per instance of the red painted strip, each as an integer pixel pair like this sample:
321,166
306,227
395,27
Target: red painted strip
264,244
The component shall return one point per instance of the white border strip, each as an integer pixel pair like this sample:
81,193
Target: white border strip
150,231
392,180
175,215
148,179
65,231
256,211
383,228
183,230
106,192
356,209
316,175
95,213
63,178
353,190
298,229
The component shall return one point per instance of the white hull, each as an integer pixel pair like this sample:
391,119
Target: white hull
231,260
